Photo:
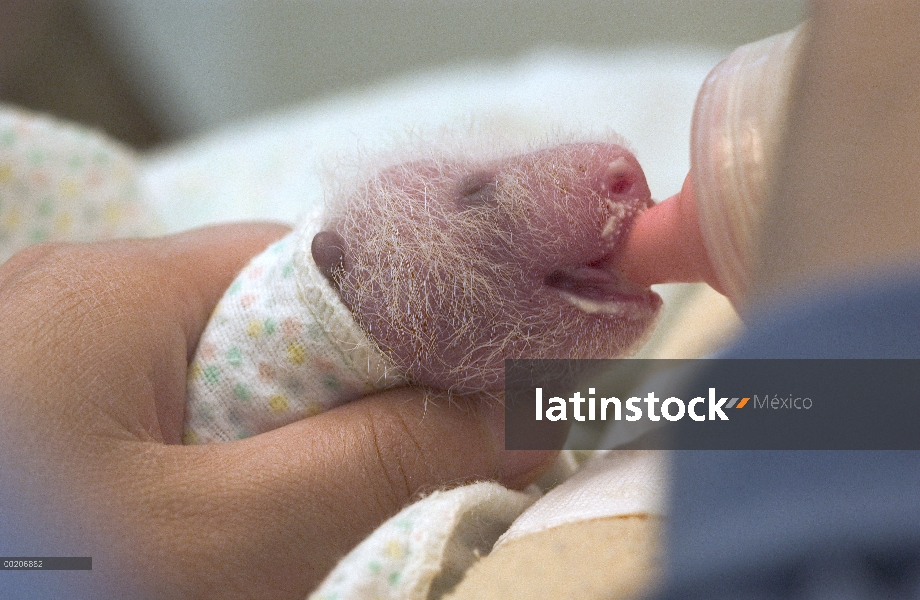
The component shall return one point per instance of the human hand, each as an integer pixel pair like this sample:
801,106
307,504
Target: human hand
92,389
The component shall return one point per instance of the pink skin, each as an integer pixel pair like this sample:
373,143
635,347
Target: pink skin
453,267
665,244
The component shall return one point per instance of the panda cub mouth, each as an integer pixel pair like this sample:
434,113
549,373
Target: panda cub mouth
595,288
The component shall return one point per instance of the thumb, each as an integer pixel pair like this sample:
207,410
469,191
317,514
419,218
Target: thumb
341,473
270,515
318,486
202,264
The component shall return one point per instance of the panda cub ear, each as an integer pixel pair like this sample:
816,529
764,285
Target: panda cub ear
328,250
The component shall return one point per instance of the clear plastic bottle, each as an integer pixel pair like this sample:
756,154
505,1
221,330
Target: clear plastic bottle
737,126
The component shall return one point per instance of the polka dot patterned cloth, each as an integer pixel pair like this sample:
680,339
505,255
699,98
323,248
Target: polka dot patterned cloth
64,182
423,551
279,347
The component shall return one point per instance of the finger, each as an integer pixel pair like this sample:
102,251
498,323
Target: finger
202,264
194,270
291,502
383,452
99,335
199,266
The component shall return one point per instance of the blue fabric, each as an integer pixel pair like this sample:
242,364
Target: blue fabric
806,523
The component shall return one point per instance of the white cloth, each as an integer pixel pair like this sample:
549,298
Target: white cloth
63,182
424,550
609,484
280,346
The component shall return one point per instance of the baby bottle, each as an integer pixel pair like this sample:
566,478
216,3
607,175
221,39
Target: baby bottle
737,125
708,231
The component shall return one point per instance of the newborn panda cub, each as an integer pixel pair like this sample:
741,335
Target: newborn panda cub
431,272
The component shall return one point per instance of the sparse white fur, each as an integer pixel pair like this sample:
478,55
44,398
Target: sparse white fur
469,142
445,292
